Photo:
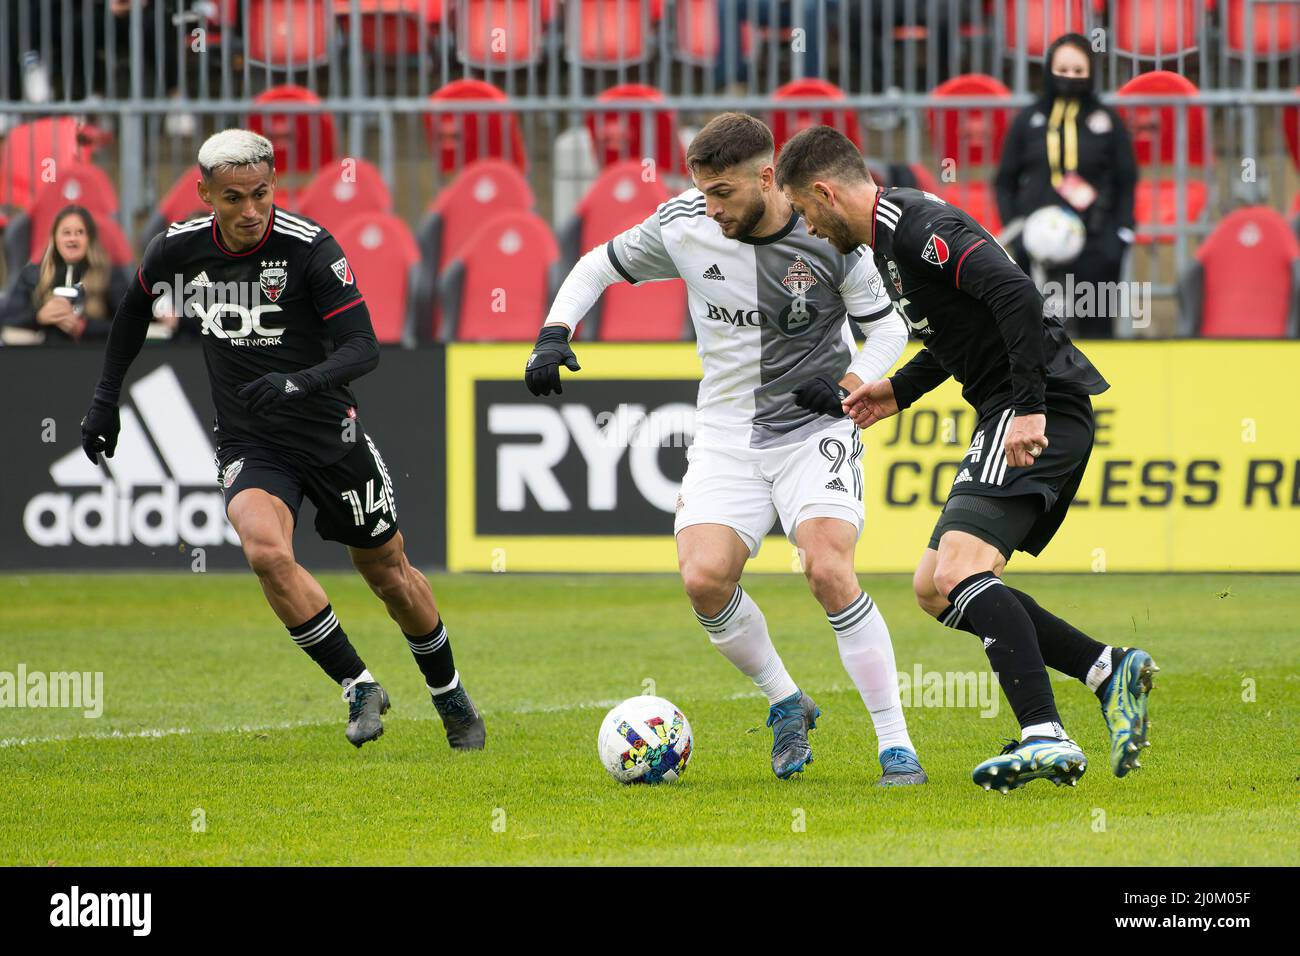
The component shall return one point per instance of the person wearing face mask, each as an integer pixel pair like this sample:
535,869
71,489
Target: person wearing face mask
1070,151
70,294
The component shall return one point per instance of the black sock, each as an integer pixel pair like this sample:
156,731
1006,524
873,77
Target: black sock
1011,646
322,637
1064,647
433,654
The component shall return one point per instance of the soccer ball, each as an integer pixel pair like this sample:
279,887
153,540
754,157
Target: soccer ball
645,740
1054,235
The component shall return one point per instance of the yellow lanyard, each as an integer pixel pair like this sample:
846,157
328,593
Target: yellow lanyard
1065,114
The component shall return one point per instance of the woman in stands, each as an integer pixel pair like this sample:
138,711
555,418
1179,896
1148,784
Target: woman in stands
72,292
1068,151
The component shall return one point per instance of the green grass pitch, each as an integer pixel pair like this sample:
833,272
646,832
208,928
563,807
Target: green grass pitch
231,747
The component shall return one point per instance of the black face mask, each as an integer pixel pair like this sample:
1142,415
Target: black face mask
1071,86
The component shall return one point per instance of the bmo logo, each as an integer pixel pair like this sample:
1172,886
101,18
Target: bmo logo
238,323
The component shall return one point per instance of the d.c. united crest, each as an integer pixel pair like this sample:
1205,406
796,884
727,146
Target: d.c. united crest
273,279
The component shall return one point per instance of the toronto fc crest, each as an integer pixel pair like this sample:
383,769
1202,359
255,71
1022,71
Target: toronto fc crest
799,277
273,279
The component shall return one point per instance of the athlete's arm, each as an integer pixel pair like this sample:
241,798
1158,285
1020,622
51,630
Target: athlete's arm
634,256
100,427
342,308
922,374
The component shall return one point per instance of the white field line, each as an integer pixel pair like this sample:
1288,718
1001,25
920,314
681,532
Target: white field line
154,733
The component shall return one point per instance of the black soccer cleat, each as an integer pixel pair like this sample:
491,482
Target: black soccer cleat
465,728
367,702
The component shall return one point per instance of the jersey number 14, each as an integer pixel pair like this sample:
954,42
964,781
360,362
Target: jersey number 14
374,502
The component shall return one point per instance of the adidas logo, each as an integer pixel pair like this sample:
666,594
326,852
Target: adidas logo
963,475
713,272
380,527
161,448
201,281
289,387
836,485
988,641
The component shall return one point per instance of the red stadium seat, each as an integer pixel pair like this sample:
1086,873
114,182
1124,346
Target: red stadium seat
1291,130
381,251
786,123
1045,20
1274,30
976,198
652,311
304,142
460,138
623,135
1155,143
1246,282
496,287
499,34
969,136
77,184
483,189
287,33
611,32
1155,29
342,190
697,31
30,150
393,27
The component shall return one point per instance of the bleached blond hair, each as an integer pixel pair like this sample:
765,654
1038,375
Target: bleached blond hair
232,148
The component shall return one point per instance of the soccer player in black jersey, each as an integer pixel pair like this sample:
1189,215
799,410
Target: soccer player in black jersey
981,321
271,293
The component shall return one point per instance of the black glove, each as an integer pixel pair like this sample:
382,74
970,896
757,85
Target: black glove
823,395
265,393
99,430
542,373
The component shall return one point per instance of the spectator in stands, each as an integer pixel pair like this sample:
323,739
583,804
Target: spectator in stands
814,17
1070,151
72,293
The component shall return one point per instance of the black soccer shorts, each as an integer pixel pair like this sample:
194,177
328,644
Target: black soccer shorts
353,497
1019,509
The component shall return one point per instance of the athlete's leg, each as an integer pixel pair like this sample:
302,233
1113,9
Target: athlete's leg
826,546
264,524
409,601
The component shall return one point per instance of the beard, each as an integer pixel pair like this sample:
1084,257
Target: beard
839,235
745,223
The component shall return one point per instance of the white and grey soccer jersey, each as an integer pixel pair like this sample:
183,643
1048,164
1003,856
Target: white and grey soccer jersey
769,314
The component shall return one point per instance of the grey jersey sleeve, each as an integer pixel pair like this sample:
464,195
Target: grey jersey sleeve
640,253
863,289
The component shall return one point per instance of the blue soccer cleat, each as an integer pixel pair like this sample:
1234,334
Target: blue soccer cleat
901,768
1039,758
1124,705
790,720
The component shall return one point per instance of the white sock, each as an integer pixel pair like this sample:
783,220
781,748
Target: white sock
435,691
1099,670
739,631
361,678
868,656
1048,729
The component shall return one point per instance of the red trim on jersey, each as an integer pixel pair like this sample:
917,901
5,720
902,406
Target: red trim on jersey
139,274
216,237
360,298
874,204
957,278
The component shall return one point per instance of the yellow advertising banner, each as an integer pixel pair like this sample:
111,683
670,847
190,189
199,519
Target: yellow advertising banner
1196,465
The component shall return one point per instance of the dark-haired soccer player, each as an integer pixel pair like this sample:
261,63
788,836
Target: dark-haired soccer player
982,322
271,292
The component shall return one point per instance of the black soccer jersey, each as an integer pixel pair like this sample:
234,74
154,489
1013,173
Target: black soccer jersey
266,309
977,313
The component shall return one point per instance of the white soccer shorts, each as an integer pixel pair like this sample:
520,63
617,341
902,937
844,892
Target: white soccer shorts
748,489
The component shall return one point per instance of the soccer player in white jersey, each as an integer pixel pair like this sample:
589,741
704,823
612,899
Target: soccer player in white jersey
771,308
